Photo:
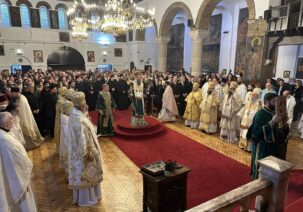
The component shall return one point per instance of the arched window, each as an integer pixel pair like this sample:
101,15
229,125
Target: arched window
44,17
5,16
62,19
25,17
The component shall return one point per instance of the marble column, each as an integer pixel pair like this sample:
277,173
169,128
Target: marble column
197,37
162,54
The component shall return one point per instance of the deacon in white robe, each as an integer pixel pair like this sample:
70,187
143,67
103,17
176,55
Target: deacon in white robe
15,189
28,124
84,154
66,108
290,105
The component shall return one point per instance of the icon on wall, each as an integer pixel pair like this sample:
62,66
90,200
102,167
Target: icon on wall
286,74
118,52
38,56
2,50
90,56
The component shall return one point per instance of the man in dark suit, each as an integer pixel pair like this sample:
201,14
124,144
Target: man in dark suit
281,87
177,90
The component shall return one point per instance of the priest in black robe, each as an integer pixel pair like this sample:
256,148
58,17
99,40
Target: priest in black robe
35,105
123,100
177,90
112,83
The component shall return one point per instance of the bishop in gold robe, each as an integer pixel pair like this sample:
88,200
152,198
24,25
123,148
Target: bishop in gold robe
192,111
209,110
246,115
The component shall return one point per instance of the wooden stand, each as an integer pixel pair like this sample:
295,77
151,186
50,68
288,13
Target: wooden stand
162,193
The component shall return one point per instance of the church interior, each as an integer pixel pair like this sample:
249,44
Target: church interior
151,105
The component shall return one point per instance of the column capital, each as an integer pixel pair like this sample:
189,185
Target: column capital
163,39
198,34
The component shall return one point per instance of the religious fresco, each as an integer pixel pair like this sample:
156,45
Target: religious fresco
175,48
118,52
90,56
241,41
140,35
299,71
15,16
2,53
211,45
54,21
35,19
38,56
253,62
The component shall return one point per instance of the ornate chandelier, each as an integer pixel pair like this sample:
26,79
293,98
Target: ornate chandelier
115,17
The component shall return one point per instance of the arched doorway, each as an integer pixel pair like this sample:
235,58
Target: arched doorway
174,38
66,58
232,49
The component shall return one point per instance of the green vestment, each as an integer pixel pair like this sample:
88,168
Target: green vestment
105,105
261,135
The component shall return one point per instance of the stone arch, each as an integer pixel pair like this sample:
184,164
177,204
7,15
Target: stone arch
60,5
43,3
169,15
6,1
207,8
66,56
156,27
19,2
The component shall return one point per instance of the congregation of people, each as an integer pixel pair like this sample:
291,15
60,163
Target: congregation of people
54,106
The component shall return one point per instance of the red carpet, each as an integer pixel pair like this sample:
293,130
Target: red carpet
212,173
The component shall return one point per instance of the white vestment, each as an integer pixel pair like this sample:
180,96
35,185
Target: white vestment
82,141
290,105
28,124
16,130
241,91
63,150
15,190
204,89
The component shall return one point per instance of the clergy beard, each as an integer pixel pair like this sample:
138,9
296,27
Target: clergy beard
271,107
138,82
230,93
209,92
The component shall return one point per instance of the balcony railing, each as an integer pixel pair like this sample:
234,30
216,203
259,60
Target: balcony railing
268,192
286,16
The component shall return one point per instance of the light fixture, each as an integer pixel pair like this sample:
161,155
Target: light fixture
113,16
18,51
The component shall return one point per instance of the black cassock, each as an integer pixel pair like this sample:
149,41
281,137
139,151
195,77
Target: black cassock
98,86
113,89
122,95
35,104
91,99
177,90
159,90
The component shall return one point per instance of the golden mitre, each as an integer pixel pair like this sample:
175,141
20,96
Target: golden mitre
67,107
78,99
62,91
69,93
